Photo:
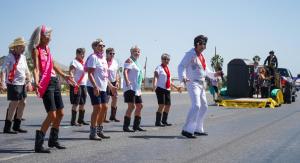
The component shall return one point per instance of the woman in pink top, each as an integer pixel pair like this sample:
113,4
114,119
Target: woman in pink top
47,87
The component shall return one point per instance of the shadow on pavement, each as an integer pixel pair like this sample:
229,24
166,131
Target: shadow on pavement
46,139
88,131
16,150
39,125
146,125
157,137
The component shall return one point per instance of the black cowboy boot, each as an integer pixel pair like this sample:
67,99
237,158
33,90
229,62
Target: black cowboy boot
158,120
17,126
100,132
165,119
39,141
53,139
7,127
73,118
113,114
126,124
136,124
93,134
81,118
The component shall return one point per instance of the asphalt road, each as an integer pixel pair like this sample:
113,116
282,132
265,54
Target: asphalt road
235,135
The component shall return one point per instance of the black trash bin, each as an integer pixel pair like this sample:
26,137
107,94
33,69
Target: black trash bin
240,78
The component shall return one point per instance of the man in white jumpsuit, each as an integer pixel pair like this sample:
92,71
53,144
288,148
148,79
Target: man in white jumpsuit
192,71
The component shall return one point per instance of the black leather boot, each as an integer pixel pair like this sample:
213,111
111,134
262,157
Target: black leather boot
7,127
100,132
39,141
158,120
93,134
126,124
136,124
113,114
73,118
165,119
81,118
53,139
17,126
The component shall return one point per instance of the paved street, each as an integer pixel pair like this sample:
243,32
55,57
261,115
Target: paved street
235,135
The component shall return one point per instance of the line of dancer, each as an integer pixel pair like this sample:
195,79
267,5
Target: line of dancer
98,77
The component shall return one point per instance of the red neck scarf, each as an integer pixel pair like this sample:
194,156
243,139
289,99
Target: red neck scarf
11,74
76,88
80,61
166,69
202,60
109,63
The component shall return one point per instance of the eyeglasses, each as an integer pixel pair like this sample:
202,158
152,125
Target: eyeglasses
201,43
166,59
112,53
101,45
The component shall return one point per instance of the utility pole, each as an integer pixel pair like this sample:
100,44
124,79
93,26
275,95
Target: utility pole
145,68
215,50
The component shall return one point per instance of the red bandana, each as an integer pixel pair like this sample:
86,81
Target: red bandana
166,68
11,74
80,61
202,60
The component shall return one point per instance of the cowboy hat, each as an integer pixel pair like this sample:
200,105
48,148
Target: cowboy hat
18,41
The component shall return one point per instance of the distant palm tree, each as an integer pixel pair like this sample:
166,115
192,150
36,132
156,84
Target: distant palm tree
216,62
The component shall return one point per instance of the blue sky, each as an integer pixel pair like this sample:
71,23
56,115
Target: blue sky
238,28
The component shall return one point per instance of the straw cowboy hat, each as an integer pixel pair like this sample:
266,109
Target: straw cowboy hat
18,41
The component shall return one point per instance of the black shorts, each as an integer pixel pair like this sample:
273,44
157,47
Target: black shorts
130,97
96,100
163,96
52,98
108,91
16,92
80,97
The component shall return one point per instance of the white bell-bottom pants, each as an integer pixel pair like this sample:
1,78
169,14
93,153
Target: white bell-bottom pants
195,117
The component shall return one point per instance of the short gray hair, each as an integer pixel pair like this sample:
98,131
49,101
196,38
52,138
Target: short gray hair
133,48
165,55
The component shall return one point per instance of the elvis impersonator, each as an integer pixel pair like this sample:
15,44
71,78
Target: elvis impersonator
192,71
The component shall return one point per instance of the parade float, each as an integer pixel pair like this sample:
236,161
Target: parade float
247,87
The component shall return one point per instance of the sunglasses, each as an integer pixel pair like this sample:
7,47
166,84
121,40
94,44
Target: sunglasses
112,53
101,45
201,43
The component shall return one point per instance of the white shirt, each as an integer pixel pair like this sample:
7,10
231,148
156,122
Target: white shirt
113,71
162,77
133,71
79,70
100,73
21,70
191,68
